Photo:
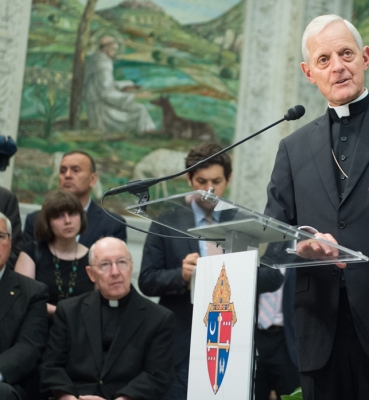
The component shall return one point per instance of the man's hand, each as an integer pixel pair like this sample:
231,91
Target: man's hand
90,397
188,265
315,249
64,396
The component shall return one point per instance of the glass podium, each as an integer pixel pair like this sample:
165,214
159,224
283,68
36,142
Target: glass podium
248,239
237,228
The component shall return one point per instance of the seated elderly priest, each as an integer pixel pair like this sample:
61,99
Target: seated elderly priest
111,343
23,325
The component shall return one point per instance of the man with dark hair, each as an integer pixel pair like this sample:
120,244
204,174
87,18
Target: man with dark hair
77,174
205,151
23,325
168,264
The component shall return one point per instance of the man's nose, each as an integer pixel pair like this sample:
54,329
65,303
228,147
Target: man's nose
208,185
114,270
337,63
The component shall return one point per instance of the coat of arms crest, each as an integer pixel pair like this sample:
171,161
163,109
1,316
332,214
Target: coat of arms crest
219,319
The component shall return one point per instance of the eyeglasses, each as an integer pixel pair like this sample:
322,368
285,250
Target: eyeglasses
4,237
122,264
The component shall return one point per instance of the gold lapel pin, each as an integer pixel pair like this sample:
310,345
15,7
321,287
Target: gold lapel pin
12,293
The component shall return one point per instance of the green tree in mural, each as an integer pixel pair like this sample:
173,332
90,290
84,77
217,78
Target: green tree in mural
83,35
361,11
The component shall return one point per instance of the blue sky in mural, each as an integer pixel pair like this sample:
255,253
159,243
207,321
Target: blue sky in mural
184,11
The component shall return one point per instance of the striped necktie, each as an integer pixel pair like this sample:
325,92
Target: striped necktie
267,309
211,247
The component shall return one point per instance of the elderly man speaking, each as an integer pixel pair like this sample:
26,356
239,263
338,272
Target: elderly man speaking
320,179
111,343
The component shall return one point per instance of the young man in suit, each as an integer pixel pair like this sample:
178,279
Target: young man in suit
168,264
111,343
78,175
320,179
23,325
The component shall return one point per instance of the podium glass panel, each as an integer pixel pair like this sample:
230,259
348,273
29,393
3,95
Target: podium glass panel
280,241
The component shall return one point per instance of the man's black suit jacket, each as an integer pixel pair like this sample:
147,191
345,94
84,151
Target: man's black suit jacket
99,225
23,328
139,363
303,191
10,208
161,275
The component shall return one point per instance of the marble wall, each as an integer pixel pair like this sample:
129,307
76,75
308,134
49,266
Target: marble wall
14,25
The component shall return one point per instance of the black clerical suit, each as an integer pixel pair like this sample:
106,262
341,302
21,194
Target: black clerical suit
23,333
161,275
86,355
10,208
99,225
304,191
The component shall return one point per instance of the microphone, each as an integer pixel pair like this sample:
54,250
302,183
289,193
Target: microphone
140,187
294,113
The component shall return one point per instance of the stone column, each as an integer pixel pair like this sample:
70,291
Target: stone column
271,83
14,26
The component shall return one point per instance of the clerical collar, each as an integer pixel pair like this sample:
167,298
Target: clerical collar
347,111
116,303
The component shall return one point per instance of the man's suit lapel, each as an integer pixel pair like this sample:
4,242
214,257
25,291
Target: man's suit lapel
91,317
129,323
320,145
185,224
93,220
9,291
360,159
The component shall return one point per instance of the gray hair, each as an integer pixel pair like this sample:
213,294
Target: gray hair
7,222
91,254
319,23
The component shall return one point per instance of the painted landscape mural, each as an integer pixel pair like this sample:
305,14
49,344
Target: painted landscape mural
132,83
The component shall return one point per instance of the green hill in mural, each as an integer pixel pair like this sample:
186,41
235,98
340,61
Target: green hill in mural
54,24
146,21
226,30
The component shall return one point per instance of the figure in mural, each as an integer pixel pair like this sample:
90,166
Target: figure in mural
111,104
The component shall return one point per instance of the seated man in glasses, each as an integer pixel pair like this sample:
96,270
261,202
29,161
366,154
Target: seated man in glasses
23,325
111,343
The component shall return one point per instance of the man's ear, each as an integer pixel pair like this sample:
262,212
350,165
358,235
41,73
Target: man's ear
229,179
90,273
307,72
366,57
93,179
188,179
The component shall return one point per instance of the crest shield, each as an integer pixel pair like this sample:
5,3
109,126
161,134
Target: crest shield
219,319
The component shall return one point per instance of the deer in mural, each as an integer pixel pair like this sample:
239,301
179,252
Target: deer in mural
182,128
